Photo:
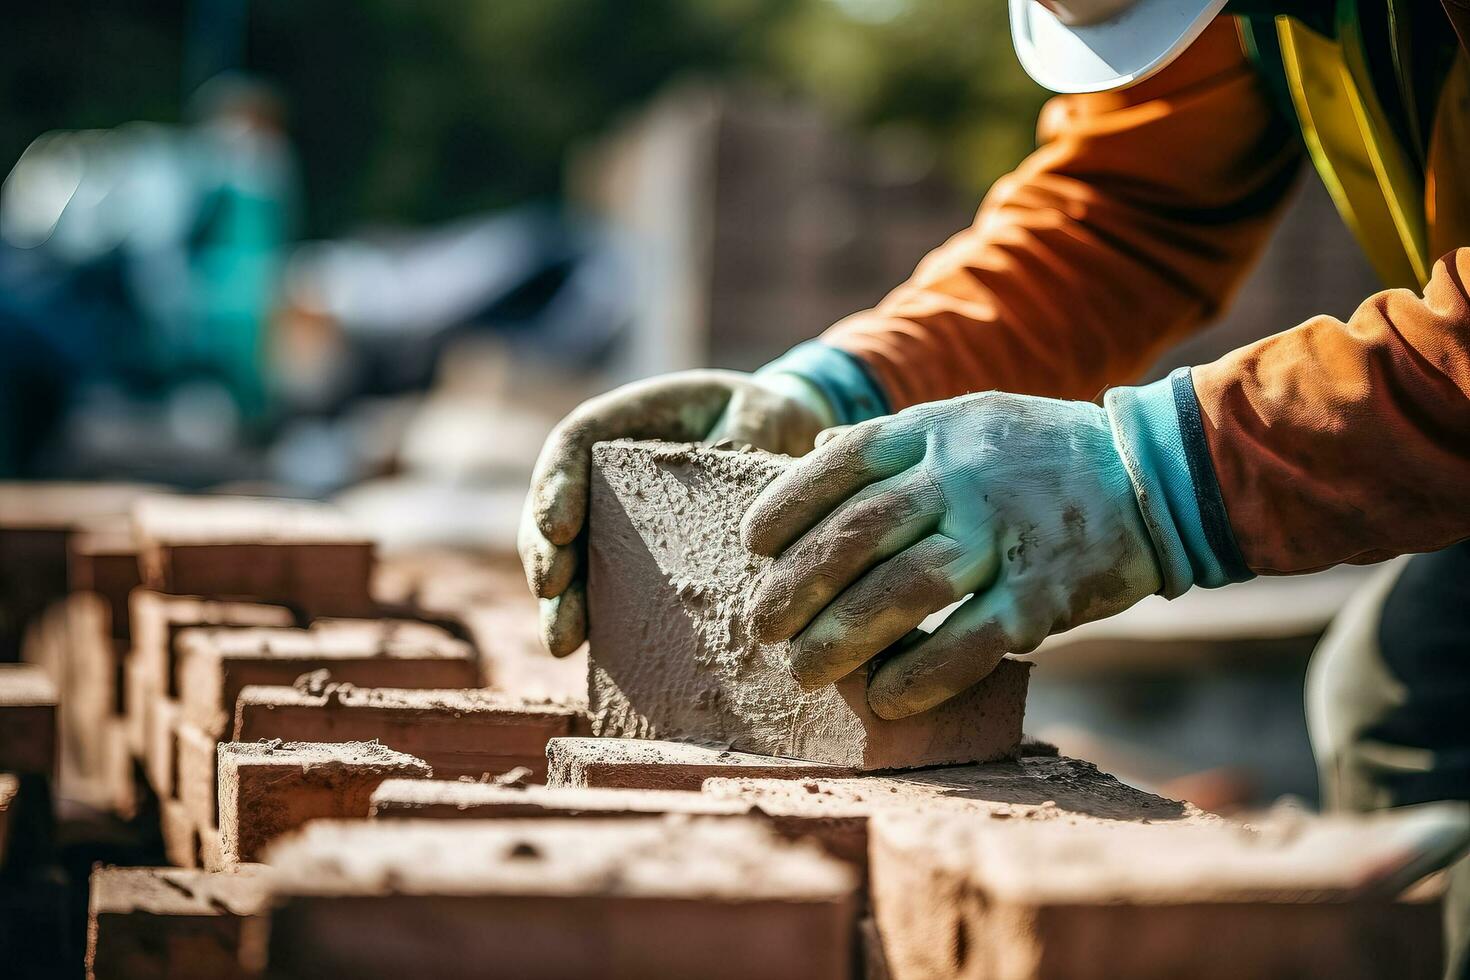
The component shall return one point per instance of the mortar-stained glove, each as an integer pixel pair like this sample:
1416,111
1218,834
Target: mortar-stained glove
780,408
1048,513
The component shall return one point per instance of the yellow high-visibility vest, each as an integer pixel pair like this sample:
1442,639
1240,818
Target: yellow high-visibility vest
1406,205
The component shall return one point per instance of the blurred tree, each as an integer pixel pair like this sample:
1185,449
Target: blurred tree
410,111
941,67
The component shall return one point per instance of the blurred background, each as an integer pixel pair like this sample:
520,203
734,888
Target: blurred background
374,250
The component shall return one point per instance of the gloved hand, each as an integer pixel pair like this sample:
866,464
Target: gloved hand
1028,503
772,410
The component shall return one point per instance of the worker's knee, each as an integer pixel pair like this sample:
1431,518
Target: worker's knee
1349,690
1388,685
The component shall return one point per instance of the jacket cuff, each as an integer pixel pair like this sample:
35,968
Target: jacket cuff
1160,436
841,378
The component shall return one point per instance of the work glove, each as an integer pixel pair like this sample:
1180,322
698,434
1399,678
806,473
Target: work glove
775,409
1048,513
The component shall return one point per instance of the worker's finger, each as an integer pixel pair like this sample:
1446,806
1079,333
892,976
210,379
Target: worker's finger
549,568
683,407
806,492
882,606
962,651
564,620
873,525
767,419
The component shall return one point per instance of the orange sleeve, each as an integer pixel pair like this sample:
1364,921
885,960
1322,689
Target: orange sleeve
1348,442
1130,226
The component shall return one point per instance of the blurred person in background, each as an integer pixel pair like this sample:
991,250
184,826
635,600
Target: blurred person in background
975,435
143,260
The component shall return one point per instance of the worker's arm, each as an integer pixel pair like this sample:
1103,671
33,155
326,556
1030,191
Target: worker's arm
1332,442
1343,441
1129,227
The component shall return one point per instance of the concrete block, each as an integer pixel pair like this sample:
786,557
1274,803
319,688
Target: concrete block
304,555
541,899
216,664
459,732
173,923
630,763
269,788
1033,899
671,652
401,799
28,726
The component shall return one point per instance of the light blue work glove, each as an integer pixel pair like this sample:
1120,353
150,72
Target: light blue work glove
1052,513
780,408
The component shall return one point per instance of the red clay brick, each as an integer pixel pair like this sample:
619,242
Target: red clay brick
513,659
197,784
269,788
9,790
27,721
90,681
216,664
161,746
92,687
837,811
180,834
630,763
304,555
36,522
402,799
1024,899
211,850
71,642
832,808
119,776
157,621
175,923
671,638
870,944
545,898
104,561
458,732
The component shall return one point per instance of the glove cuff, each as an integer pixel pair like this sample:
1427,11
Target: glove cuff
1159,434
850,391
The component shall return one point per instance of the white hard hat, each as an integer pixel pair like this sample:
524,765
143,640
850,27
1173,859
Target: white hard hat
1096,45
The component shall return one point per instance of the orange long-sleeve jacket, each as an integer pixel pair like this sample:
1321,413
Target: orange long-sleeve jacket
1131,226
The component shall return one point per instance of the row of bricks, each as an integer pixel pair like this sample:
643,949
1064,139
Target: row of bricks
974,871
96,545
121,651
581,895
28,741
407,685
269,787
118,646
